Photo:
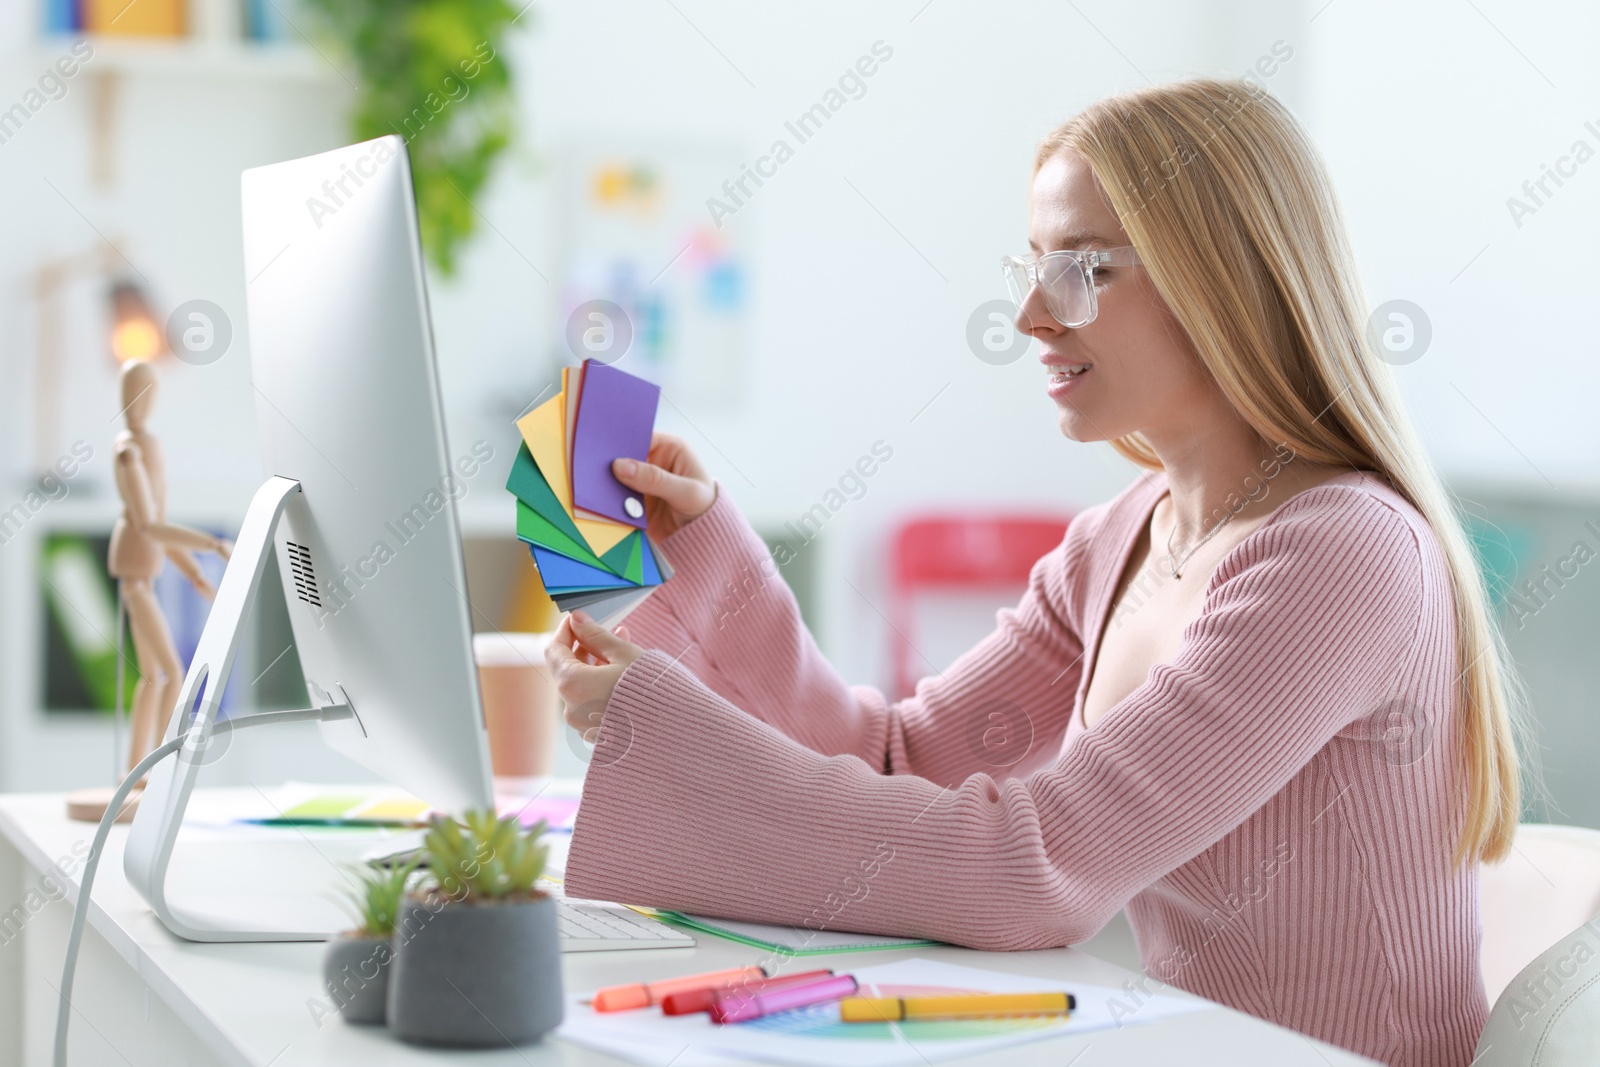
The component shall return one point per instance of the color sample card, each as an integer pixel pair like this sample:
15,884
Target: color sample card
577,520
544,431
328,806
300,804
558,813
615,417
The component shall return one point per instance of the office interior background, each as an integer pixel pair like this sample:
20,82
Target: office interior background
838,308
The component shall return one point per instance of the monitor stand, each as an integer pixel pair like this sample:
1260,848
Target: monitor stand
220,913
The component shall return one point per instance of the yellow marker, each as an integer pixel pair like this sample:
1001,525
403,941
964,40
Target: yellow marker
963,1006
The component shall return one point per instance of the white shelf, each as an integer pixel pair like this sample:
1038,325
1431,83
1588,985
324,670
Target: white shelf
269,61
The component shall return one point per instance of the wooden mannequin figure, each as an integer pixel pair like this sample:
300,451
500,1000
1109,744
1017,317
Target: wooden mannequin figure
141,544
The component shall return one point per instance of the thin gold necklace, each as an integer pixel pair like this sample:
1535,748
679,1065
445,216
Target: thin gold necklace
1174,564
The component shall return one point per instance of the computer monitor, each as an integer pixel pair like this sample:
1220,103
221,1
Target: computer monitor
359,507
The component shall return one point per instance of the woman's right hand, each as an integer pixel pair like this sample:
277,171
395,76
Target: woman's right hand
677,490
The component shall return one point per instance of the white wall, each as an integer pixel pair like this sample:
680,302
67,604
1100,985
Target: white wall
1432,114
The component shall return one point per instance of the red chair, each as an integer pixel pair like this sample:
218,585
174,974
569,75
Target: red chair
959,553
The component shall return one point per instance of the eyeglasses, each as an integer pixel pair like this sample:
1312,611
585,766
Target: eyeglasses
1067,279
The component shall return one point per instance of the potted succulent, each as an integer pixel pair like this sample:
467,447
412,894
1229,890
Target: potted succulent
355,969
477,961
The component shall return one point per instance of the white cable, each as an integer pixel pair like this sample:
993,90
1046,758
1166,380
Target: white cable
80,911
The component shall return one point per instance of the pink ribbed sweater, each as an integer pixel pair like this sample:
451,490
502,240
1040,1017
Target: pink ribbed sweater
1274,807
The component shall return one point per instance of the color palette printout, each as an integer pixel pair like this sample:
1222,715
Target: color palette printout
585,530
302,804
815,1035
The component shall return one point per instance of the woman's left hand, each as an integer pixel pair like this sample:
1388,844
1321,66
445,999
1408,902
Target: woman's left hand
586,660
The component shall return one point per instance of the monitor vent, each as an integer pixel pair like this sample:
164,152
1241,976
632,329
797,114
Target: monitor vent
305,579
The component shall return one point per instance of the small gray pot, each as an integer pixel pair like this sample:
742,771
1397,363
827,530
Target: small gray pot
478,975
355,972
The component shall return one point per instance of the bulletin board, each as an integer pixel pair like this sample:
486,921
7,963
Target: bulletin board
634,228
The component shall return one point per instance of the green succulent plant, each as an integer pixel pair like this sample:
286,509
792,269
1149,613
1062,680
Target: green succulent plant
482,857
434,72
375,898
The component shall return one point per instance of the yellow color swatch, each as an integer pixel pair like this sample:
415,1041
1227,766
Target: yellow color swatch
393,809
544,429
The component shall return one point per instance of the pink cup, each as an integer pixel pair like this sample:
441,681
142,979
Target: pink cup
520,704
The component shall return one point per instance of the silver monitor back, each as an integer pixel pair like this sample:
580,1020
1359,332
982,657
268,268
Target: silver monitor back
348,405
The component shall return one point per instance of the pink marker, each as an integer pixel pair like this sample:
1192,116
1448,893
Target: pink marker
737,1006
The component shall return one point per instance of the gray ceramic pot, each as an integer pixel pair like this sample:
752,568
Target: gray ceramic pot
475,975
355,972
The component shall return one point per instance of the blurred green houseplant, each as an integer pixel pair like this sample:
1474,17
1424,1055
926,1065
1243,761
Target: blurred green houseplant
433,72
374,896
355,965
484,857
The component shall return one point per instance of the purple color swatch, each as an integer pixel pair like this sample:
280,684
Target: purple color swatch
616,413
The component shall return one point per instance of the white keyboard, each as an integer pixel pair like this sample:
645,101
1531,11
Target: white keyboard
594,925
584,925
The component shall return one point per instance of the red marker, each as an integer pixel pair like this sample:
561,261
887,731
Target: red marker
702,999
734,1006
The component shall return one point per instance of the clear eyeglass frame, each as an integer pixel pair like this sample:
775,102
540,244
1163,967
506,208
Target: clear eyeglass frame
1067,279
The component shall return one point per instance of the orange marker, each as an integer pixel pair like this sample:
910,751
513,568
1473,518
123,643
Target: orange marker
644,994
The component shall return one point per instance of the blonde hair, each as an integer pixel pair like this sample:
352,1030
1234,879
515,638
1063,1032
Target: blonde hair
1232,212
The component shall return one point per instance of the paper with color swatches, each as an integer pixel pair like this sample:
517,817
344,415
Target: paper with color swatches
584,529
815,1035
297,804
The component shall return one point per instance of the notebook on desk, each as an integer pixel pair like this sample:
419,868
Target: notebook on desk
789,940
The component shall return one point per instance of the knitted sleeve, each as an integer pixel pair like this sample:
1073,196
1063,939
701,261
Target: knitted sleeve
691,803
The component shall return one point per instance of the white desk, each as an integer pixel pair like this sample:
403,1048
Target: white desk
146,997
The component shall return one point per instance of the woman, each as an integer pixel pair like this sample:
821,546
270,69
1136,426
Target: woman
1256,699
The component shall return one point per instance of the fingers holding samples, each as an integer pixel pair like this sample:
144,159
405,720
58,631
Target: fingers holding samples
676,486
672,453
580,676
586,661
590,635
688,496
